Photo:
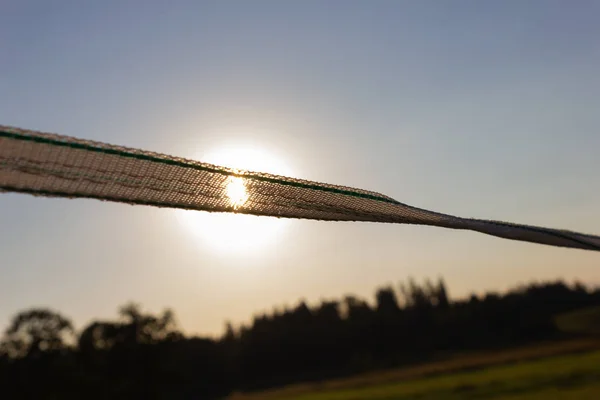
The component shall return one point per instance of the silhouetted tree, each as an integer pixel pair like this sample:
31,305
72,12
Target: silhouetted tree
143,355
387,303
36,331
441,295
146,328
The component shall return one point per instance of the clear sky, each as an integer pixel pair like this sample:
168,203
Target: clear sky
482,109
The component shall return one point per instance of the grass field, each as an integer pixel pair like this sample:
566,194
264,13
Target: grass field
553,371
585,321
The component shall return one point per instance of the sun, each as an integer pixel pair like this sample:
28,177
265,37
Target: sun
237,233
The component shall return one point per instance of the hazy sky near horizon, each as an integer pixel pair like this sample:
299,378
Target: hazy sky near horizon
475,108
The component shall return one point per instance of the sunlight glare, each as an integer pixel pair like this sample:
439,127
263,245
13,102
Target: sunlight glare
237,233
236,191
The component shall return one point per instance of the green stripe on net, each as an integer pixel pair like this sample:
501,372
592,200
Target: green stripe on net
51,165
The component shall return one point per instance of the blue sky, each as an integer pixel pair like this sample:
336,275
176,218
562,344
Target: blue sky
475,108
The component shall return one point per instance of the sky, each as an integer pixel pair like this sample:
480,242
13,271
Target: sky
475,108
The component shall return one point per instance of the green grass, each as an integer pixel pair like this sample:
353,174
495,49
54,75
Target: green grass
585,321
528,380
573,376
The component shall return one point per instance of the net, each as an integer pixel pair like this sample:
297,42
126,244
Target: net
45,164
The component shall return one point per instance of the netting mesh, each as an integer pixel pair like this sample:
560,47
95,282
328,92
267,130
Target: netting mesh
59,166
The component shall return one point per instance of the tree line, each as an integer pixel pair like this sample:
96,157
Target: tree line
141,355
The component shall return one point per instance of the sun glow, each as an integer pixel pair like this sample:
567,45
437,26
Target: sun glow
236,191
237,233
